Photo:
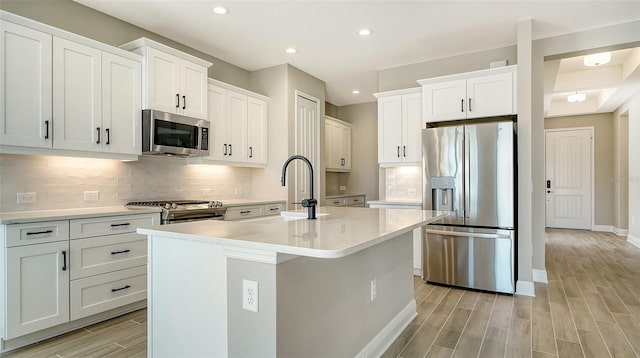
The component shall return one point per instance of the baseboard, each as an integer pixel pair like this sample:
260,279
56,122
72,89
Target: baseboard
525,288
540,276
633,240
611,229
417,272
383,340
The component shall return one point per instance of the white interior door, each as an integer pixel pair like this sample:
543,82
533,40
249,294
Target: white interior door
306,144
568,163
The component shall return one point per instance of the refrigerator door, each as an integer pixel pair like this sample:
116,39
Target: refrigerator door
489,175
442,179
465,257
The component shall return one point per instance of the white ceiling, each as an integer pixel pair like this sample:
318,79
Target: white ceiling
255,33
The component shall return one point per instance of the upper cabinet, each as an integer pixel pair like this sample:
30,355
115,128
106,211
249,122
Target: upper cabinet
238,126
176,82
476,94
64,92
399,125
337,145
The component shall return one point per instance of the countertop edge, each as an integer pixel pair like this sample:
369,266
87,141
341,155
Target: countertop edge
23,217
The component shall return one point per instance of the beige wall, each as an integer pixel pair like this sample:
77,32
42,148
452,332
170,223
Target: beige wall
60,182
621,169
604,159
81,20
330,109
406,76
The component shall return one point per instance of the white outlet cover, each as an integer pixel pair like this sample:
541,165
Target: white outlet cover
374,289
343,187
250,295
26,198
91,195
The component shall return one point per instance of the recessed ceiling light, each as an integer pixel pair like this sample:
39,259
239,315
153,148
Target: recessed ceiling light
355,92
364,32
576,97
291,50
597,59
220,10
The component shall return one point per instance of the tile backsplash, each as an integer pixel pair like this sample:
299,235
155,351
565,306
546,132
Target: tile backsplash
60,182
403,183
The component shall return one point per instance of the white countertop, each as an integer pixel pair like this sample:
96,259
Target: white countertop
245,202
395,202
20,217
344,195
343,231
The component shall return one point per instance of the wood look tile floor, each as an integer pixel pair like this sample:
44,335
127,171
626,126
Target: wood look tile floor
589,308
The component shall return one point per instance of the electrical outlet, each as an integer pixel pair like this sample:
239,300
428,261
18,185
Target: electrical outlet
26,198
237,191
91,195
343,187
206,191
374,289
250,295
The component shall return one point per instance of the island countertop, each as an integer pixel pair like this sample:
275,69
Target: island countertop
337,231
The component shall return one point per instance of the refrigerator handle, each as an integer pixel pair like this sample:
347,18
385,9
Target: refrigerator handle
467,234
467,177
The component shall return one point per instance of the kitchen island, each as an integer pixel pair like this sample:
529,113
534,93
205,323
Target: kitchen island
338,286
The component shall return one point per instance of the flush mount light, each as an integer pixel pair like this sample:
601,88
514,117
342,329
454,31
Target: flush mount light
597,59
355,92
291,50
220,10
364,32
576,97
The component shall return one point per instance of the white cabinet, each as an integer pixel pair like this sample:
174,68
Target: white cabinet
356,201
36,289
175,82
253,211
399,127
96,103
25,86
337,145
238,125
67,93
471,95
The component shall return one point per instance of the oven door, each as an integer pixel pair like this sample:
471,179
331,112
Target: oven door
167,133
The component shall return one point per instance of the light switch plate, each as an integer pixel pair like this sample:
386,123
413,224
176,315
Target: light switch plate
343,187
91,195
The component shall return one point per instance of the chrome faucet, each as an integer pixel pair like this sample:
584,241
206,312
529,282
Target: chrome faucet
310,203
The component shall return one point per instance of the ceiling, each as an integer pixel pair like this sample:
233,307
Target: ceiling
255,34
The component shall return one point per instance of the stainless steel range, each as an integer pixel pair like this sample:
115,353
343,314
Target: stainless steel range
175,211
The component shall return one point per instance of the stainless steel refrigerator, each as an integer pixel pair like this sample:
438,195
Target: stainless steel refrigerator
469,170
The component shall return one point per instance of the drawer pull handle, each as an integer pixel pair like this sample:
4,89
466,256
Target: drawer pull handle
64,261
336,202
120,252
40,232
274,209
245,212
120,289
118,225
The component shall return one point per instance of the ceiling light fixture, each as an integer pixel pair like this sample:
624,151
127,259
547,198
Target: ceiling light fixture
355,92
364,32
576,97
597,59
291,50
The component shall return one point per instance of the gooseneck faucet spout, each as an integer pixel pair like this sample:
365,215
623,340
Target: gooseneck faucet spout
310,203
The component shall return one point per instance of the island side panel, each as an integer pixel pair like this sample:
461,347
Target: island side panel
187,301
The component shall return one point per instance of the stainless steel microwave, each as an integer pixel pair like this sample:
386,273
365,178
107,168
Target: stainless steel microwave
172,134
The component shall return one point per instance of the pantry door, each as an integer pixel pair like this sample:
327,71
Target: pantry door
569,178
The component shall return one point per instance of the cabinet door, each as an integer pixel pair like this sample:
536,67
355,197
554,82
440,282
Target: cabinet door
193,90
218,145
257,131
37,287
77,89
329,148
389,129
490,95
345,147
121,104
25,86
445,101
237,122
163,81
411,128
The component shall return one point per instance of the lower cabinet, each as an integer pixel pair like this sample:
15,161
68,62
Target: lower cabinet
253,211
356,201
59,271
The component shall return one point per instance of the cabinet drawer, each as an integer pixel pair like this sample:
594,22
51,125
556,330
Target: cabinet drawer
101,293
36,233
244,212
273,209
109,225
356,201
97,255
336,202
